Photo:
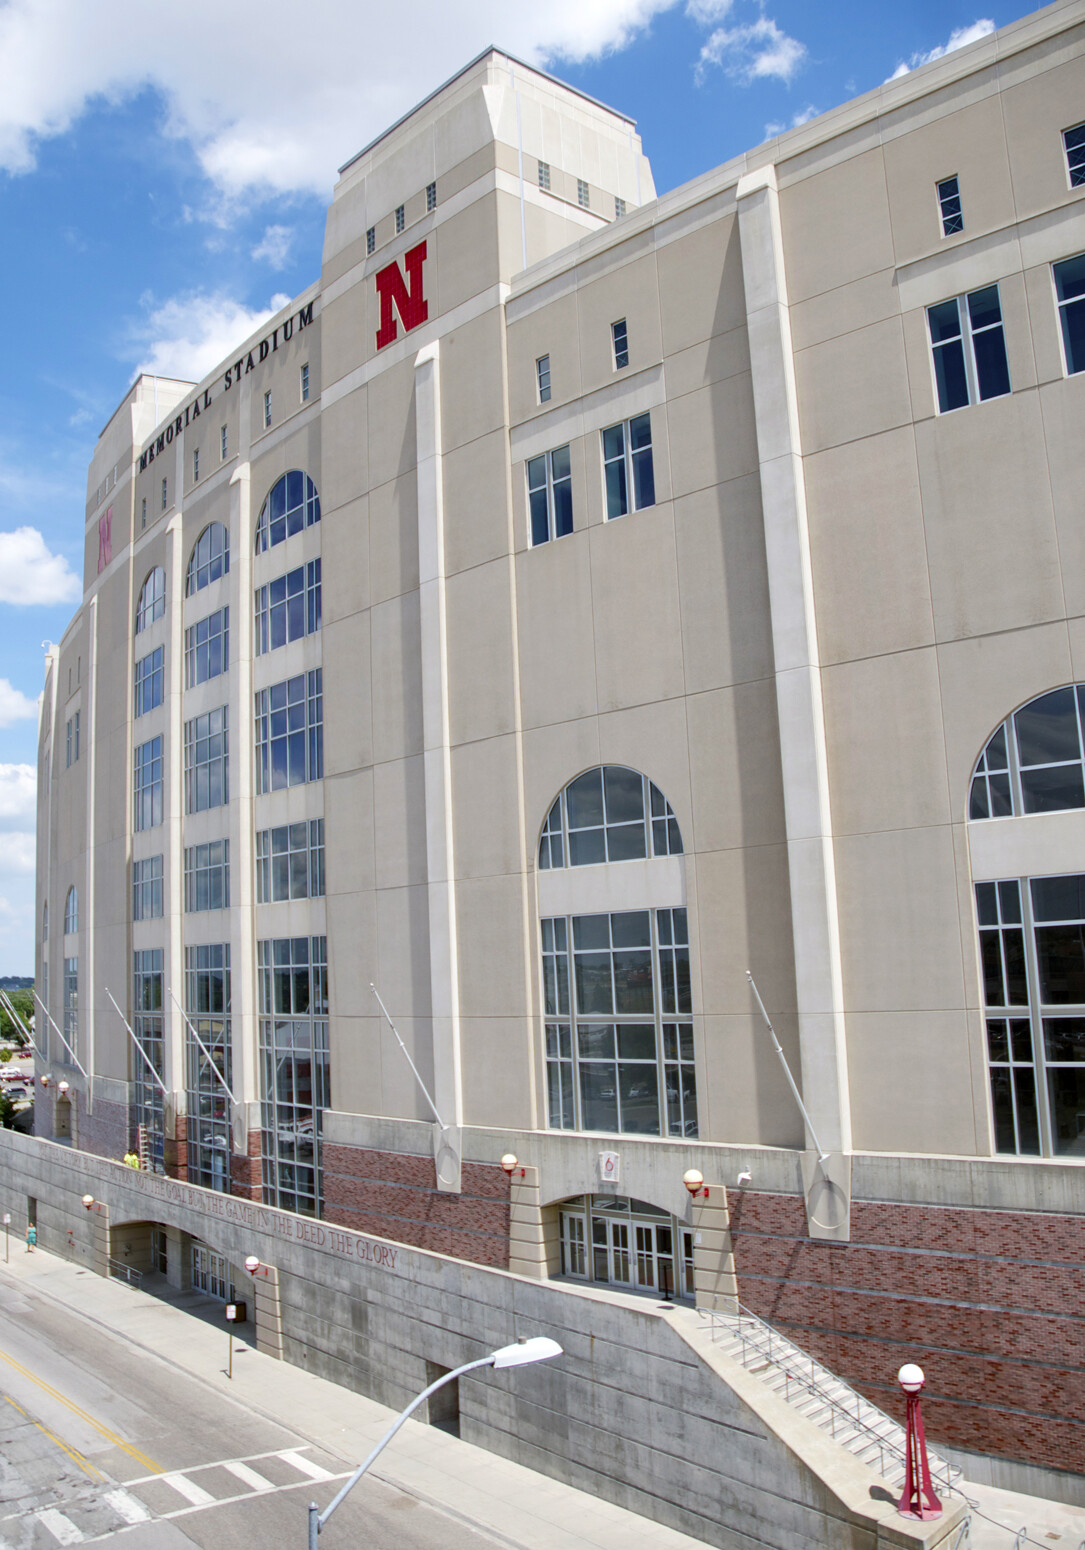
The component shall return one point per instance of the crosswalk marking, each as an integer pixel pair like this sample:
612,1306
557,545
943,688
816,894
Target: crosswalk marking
249,1476
127,1507
188,1489
305,1466
62,1529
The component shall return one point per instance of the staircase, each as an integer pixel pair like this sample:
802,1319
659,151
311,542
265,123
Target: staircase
822,1397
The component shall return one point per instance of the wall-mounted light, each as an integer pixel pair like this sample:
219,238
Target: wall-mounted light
511,1164
745,1177
693,1179
91,1204
254,1267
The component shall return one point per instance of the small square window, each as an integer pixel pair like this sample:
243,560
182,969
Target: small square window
401,219
305,383
143,513
542,376
267,410
949,206
619,208
222,443
1074,141
620,336
371,240
195,464
582,197
544,175
165,492
431,196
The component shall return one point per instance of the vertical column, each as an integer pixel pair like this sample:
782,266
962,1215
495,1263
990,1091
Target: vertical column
87,969
99,1236
47,1042
533,1240
437,767
173,1024
268,1311
714,1281
243,1017
815,926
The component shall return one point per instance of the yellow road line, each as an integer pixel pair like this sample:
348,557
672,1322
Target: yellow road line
73,1453
118,1442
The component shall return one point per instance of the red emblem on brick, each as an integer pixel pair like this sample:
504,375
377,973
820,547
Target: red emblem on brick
401,295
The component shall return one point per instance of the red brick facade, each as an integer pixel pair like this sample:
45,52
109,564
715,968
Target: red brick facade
246,1173
175,1159
989,1303
395,1196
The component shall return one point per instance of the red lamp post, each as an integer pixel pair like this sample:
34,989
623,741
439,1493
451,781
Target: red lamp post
918,1500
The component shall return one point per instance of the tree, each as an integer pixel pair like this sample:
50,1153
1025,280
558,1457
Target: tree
23,1002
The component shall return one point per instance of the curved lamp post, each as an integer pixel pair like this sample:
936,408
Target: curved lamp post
538,1349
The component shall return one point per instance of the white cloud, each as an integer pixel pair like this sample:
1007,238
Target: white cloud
706,12
18,854
30,573
752,52
798,119
18,793
14,704
286,121
959,38
274,246
187,336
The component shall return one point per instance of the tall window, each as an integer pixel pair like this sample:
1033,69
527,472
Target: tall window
1070,290
288,608
68,726
619,336
207,1004
550,495
401,218
45,921
611,813
195,464
293,988
152,599
207,761
628,467
210,558
207,648
290,862
371,240
969,348
207,876
223,442
143,513
147,1027
71,912
949,207
149,681
71,1007
583,197
75,735
292,505
1074,143
1035,761
147,888
267,410
305,383
147,805
290,732
165,494
619,1029
619,208
544,175
542,378
431,196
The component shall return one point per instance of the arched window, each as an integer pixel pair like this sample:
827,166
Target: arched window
71,912
210,558
152,599
1035,761
610,813
45,921
293,504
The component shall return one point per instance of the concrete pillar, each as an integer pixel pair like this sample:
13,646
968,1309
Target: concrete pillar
267,1311
534,1248
99,1238
714,1281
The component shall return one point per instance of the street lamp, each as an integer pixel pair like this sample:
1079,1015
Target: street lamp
538,1349
92,1204
917,1499
693,1179
252,1265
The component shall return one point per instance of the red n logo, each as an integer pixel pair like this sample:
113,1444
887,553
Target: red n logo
404,297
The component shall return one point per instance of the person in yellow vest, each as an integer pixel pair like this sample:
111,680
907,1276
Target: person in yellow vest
131,1160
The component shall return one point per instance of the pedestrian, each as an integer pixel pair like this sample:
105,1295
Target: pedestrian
131,1159
31,1238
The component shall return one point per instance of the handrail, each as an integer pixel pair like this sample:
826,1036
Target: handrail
118,1268
864,1417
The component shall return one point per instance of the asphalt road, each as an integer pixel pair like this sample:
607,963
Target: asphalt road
100,1441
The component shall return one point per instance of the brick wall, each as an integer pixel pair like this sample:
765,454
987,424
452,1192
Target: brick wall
989,1303
175,1150
105,1132
246,1172
393,1195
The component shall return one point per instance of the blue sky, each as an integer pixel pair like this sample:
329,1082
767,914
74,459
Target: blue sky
164,172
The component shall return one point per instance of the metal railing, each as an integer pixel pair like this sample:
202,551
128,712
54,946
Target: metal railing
123,1272
803,1375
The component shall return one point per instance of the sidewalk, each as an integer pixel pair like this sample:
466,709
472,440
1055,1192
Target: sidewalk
516,1506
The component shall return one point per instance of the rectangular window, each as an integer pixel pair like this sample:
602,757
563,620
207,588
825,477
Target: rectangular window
195,464
207,648
305,383
290,862
969,349
431,196
550,495
147,1027
542,377
267,410
68,744
401,218
207,763
207,1003
544,175
222,443
292,977
149,681
619,1030
627,466
165,490
290,733
143,513
147,888
207,876
288,608
949,206
582,196
75,736
71,1007
1074,141
371,240
620,337
619,208
1070,291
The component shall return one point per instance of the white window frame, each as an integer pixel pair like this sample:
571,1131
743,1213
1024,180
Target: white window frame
542,378
267,410
628,456
967,337
946,196
1075,165
305,382
547,459
619,339
583,194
